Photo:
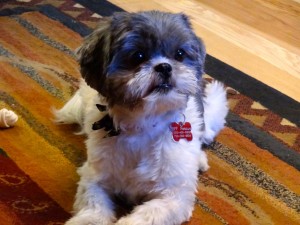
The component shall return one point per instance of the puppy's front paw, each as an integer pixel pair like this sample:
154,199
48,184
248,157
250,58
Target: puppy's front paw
129,221
144,217
89,218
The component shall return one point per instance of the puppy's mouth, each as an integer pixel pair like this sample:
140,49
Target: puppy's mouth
163,88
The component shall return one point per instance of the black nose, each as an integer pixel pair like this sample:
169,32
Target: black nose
164,69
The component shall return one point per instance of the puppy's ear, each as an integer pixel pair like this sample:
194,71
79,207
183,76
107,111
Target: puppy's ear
93,55
185,19
201,50
201,56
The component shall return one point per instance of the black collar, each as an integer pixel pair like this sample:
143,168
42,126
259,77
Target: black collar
105,123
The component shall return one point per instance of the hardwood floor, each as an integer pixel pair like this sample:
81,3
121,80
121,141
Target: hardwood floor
258,37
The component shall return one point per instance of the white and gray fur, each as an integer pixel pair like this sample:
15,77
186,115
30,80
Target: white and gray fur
146,69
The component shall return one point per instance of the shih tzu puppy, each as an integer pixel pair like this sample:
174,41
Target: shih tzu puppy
146,114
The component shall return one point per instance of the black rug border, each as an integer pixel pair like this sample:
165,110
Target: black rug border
101,7
256,135
53,13
263,140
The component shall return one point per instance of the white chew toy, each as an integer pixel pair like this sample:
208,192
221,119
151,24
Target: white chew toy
7,118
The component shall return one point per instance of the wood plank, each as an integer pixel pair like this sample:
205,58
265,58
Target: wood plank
282,15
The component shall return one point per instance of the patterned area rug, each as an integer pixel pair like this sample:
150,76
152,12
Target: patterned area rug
255,161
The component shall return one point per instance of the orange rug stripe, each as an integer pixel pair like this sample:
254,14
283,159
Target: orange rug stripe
16,46
34,97
31,206
276,168
231,214
200,217
43,163
43,53
7,216
264,205
60,33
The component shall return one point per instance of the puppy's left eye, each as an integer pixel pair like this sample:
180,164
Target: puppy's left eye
139,57
180,55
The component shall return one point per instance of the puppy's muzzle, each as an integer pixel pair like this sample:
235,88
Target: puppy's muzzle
164,71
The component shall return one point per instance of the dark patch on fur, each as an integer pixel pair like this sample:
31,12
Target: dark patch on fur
123,205
105,123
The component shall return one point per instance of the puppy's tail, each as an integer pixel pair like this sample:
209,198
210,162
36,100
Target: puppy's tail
215,110
71,112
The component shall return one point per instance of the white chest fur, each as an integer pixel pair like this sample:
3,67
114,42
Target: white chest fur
148,159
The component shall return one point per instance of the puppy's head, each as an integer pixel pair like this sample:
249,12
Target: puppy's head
150,60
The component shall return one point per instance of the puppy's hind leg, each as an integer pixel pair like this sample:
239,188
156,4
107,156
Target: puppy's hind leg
72,112
92,205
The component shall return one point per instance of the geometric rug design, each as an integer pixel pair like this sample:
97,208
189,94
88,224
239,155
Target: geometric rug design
254,162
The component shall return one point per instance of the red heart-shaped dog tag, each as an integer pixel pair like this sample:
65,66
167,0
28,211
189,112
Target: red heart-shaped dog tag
181,131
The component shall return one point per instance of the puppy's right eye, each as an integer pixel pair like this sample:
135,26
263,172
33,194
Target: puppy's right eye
180,55
139,57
